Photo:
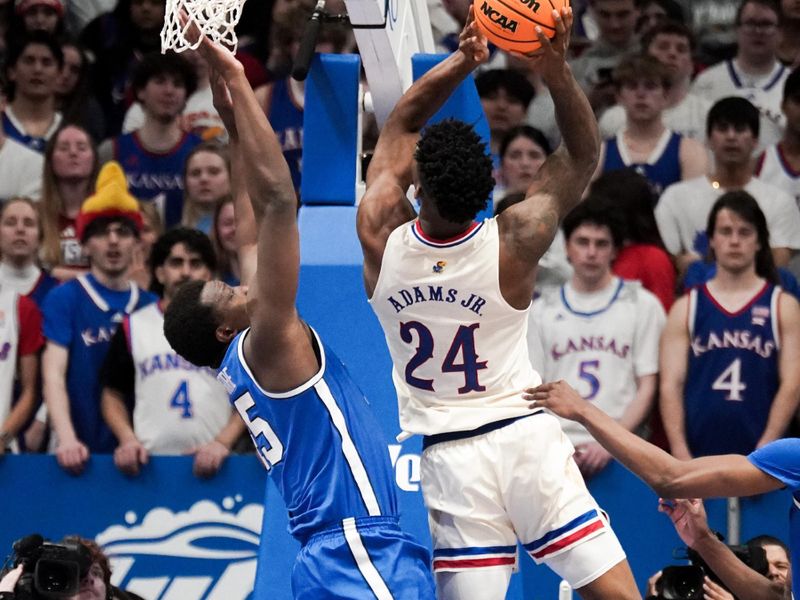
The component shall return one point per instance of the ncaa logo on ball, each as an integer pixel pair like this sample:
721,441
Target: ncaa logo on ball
498,18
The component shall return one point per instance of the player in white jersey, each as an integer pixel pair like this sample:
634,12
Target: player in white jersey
780,163
452,296
177,407
598,332
755,72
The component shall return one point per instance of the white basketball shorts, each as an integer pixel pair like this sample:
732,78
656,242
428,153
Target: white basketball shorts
517,482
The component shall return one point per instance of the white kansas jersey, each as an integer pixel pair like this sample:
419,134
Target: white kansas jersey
599,343
178,406
459,349
773,168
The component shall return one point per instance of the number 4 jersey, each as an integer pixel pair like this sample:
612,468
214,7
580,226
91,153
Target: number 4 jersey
459,349
732,373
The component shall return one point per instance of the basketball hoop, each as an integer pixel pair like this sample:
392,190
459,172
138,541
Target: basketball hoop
216,20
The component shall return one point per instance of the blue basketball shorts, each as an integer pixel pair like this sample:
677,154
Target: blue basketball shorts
365,558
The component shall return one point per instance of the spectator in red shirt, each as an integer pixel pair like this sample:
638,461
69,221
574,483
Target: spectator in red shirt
642,256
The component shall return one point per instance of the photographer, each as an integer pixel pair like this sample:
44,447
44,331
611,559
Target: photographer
711,589
691,524
91,577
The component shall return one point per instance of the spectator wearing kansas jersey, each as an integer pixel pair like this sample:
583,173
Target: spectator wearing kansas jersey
177,408
598,332
645,144
80,318
780,163
755,72
452,296
729,352
153,156
310,423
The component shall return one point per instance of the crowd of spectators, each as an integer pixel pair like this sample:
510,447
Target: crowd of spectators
116,187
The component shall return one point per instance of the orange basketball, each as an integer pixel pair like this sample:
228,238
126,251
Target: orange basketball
510,24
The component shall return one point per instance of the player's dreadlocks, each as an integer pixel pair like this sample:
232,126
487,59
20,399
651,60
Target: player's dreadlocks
455,170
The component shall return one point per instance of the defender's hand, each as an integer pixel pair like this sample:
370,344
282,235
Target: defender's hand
558,397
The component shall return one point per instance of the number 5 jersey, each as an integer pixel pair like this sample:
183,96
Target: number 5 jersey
459,349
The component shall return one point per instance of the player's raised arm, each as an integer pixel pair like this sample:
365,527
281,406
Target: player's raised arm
277,335
705,477
385,206
528,228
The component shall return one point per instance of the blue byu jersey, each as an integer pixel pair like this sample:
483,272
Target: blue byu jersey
320,442
82,316
732,372
781,460
663,167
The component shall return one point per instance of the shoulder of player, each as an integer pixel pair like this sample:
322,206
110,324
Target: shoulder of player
535,215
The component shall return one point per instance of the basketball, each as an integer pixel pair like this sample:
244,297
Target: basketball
510,24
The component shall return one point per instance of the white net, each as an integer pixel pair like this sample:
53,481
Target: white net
216,20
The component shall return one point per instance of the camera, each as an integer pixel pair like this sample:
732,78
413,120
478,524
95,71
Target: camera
48,570
686,582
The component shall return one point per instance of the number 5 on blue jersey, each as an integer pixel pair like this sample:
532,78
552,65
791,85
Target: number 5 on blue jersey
270,448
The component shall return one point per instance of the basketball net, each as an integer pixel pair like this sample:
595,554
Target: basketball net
216,20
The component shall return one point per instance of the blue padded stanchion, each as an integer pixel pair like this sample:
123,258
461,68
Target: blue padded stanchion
463,104
330,130
328,235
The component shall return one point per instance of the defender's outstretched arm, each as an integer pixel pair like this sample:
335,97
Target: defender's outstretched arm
705,477
277,336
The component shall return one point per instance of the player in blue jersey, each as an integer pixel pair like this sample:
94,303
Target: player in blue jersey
773,466
730,347
312,426
81,316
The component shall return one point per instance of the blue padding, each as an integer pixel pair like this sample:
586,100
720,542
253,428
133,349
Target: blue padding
463,104
328,235
330,130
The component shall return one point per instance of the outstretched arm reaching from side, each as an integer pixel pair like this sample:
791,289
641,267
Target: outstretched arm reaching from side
705,477
385,206
527,229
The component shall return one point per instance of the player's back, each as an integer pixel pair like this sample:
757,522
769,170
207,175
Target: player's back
459,349
320,442
732,371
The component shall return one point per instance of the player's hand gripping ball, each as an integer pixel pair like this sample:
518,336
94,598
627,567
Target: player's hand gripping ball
511,24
